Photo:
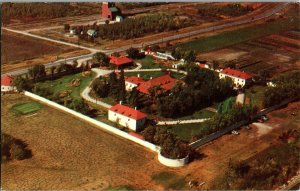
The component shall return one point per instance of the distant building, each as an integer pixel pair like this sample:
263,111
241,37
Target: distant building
239,78
92,32
72,31
127,117
121,62
166,82
132,82
109,11
164,56
149,52
181,62
119,18
7,83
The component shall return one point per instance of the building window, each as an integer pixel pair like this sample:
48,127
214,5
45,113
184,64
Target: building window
115,114
128,119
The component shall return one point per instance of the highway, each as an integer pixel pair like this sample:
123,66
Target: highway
264,15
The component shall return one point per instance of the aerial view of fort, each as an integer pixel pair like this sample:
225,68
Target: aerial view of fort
150,95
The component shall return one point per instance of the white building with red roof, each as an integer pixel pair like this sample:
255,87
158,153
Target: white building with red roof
239,78
7,83
127,116
120,62
166,82
132,82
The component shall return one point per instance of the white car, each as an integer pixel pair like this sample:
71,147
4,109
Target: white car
234,132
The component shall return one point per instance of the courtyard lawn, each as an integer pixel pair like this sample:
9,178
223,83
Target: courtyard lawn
256,93
241,35
147,63
200,114
63,84
26,108
185,131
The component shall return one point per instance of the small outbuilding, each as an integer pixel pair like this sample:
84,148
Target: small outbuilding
120,62
127,117
92,32
7,83
119,18
132,82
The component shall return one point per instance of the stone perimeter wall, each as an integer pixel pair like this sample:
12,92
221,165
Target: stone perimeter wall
163,160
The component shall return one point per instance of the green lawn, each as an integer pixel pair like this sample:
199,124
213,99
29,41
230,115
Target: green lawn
63,84
237,36
185,131
201,114
169,180
148,63
26,108
256,93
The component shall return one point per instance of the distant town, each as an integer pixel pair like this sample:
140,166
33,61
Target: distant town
150,96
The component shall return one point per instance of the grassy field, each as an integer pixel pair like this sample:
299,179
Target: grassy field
26,108
185,131
256,93
63,84
201,114
147,63
237,36
69,154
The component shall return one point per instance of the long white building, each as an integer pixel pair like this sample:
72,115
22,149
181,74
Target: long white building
127,116
239,78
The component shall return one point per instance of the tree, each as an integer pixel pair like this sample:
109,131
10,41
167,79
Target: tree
100,87
133,53
101,58
21,84
80,106
37,71
52,69
113,85
122,88
66,27
189,56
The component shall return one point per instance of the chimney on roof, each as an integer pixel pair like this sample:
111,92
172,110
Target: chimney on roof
120,102
150,77
134,108
138,75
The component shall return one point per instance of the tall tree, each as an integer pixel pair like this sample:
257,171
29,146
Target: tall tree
122,88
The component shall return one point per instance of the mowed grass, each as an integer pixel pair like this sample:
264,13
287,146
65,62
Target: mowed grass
70,154
26,108
148,63
169,180
240,35
63,84
185,131
200,114
256,94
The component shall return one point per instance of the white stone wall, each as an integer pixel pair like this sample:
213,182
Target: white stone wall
172,162
97,124
7,88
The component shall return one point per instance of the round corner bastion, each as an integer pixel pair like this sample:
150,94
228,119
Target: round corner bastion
173,162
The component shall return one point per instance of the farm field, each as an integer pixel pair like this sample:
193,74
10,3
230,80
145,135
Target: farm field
230,38
64,84
70,154
19,51
262,54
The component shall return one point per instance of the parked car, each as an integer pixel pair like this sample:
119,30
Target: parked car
234,132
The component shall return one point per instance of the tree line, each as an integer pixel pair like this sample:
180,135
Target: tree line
134,27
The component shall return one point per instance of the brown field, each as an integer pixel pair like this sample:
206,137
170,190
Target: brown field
277,53
75,155
20,51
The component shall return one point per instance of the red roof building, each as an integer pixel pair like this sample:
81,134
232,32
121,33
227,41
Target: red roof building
166,82
134,80
128,112
7,80
109,11
120,61
236,73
